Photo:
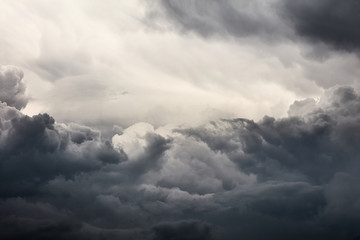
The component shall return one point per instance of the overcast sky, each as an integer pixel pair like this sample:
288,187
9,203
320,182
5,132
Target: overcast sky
173,61
179,119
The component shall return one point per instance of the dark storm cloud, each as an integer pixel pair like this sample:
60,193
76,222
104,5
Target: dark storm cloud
329,21
289,178
192,230
33,151
12,88
304,154
224,18
299,145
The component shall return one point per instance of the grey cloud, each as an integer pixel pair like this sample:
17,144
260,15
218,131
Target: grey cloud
326,21
43,152
152,157
191,230
299,145
293,177
43,221
225,18
192,167
290,178
300,108
321,38
79,133
316,147
290,201
57,67
329,21
12,88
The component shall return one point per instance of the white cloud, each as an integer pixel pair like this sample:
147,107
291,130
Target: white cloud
79,57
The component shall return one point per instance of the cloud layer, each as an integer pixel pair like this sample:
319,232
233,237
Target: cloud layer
222,18
332,22
223,59
328,21
293,177
183,81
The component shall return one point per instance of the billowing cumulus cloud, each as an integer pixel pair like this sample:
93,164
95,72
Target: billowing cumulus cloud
293,177
12,88
167,119
35,149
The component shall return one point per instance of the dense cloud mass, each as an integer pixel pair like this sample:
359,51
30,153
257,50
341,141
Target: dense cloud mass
330,21
293,177
35,150
152,178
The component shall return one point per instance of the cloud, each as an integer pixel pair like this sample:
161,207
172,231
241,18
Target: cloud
306,38
289,177
12,88
34,150
192,230
318,22
300,144
328,21
225,18
293,177
264,65
101,55
228,178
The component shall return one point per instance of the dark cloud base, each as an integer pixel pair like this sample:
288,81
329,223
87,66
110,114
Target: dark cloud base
329,21
290,178
332,22
226,18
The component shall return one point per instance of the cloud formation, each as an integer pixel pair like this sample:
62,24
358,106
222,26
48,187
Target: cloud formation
34,150
265,62
289,177
321,21
293,177
329,21
225,18
12,88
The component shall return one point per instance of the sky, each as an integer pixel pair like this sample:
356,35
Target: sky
192,119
